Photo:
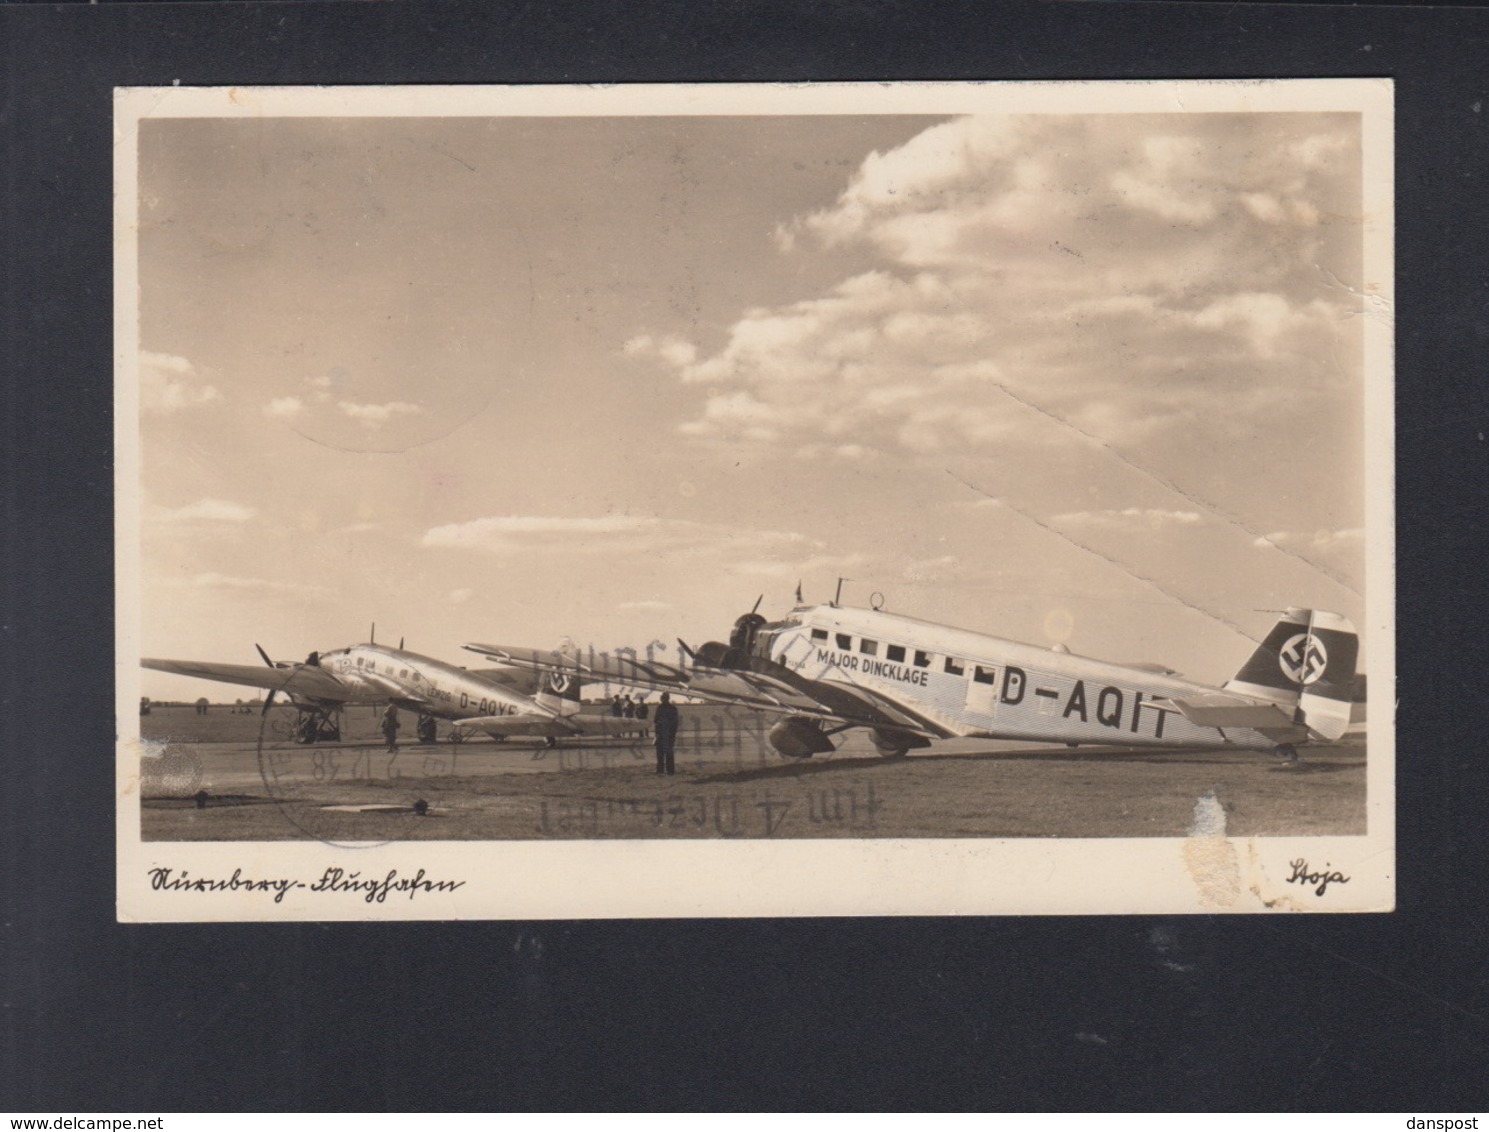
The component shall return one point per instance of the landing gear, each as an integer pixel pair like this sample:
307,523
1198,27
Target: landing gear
428,731
318,725
1290,753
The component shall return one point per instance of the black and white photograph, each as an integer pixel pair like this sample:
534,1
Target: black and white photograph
719,500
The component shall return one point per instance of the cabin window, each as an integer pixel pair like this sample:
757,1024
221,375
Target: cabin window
868,647
955,667
819,634
359,662
403,673
895,653
983,675
845,642
922,659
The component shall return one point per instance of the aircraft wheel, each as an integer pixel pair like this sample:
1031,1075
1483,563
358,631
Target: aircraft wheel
1290,753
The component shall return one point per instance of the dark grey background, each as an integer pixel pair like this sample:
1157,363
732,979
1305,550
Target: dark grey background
1334,1013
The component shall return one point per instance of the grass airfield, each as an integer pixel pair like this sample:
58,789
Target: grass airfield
238,777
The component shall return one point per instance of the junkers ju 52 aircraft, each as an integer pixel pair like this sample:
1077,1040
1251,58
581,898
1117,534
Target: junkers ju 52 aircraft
502,702
825,669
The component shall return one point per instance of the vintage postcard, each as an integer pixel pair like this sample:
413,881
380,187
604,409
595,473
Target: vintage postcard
851,499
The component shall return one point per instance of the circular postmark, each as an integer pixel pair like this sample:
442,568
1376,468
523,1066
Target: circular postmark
314,775
169,770
1303,659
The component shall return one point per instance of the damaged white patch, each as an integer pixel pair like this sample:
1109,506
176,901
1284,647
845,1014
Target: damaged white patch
1209,857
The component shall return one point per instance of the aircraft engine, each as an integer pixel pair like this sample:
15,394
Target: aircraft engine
799,738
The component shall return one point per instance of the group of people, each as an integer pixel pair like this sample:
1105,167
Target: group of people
624,707
666,721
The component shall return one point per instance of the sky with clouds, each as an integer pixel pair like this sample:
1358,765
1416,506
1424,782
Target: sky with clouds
1082,379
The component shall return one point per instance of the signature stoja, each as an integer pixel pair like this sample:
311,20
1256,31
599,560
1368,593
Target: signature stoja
1303,873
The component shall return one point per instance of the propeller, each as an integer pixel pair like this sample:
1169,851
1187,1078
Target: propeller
269,699
686,651
756,607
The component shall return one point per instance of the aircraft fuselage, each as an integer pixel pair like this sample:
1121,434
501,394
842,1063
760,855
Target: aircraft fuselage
969,684
381,674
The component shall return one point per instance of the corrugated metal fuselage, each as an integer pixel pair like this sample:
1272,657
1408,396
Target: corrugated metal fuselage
969,684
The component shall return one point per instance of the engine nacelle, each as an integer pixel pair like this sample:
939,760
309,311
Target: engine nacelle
799,738
892,744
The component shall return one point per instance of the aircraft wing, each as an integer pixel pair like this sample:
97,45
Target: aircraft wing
532,723
714,684
607,724
1221,710
522,723
301,679
523,682
766,691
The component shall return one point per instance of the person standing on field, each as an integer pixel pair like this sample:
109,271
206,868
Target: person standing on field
665,724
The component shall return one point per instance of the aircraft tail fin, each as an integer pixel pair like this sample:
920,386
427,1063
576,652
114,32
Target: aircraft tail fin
559,691
1306,663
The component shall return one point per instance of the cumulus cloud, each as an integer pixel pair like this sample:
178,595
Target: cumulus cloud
241,585
1129,518
787,566
204,510
284,407
373,416
940,568
612,534
1345,537
1130,274
169,383
669,348
879,362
